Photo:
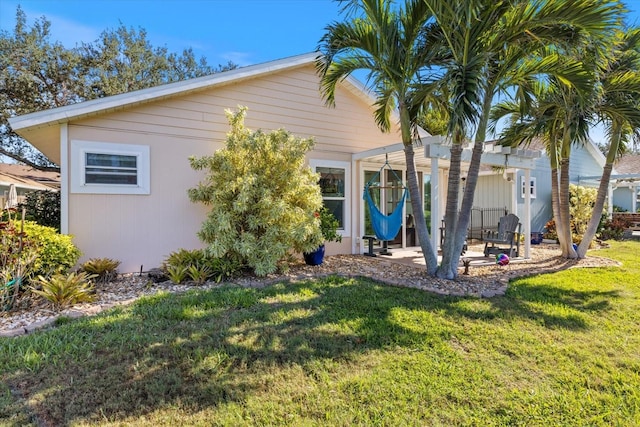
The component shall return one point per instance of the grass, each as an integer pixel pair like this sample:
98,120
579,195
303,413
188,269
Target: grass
557,349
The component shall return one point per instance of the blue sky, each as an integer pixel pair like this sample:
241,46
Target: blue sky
241,31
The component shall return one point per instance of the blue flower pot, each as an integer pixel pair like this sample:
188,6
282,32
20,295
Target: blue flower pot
314,258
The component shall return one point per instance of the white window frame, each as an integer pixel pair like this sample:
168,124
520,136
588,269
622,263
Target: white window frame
532,187
315,164
79,150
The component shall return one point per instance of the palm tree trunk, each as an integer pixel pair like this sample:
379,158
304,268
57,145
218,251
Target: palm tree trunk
566,241
470,185
451,210
603,188
430,258
555,187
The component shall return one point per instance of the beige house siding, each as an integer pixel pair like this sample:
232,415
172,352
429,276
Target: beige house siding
141,230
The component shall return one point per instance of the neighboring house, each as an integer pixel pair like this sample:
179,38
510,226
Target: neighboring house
125,170
626,183
25,179
506,187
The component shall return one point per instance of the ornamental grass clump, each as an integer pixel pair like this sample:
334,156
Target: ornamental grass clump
262,195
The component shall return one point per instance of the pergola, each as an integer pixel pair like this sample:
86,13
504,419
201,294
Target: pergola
437,156
631,180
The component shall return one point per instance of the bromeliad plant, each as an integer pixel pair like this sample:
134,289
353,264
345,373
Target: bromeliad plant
199,266
63,290
105,269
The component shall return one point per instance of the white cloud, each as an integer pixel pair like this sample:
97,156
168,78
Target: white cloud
66,31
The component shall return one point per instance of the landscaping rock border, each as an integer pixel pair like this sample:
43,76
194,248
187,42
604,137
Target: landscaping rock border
484,281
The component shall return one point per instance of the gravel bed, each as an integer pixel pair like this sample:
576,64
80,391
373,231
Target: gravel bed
484,280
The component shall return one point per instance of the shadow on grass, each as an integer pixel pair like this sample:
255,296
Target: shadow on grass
548,305
205,349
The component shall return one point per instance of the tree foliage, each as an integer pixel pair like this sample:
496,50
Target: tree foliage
37,73
263,198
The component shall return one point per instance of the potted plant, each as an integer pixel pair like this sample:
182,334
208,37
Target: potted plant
329,229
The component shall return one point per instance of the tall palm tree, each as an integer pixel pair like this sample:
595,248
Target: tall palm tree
555,114
618,107
467,50
384,40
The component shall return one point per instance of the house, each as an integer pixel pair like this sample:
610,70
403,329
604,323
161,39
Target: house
506,186
125,170
25,179
626,183
138,210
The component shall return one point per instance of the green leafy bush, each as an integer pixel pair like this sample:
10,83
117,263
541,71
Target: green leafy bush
105,269
63,290
263,197
55,253
43,207
329,226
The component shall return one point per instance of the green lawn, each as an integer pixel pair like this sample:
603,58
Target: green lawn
558,349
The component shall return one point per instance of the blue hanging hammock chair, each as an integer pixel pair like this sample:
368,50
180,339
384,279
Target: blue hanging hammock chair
386,227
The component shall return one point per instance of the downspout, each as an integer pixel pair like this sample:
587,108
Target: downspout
64,178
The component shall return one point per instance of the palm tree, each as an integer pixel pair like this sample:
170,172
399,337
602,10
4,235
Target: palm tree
619,109
384,41
491,46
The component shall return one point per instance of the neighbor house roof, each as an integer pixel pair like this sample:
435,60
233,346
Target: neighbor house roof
27,177
628,164
42,128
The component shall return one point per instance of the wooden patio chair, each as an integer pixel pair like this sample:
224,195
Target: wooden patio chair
508,234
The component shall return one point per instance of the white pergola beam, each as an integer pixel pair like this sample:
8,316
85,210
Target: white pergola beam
488,158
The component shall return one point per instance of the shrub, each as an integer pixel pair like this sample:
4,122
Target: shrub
55,253
262,197
65,290
43,207
551,233
581,203
613,229
105,269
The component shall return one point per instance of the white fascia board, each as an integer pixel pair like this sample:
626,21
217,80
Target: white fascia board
74,111
633,176
394,148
